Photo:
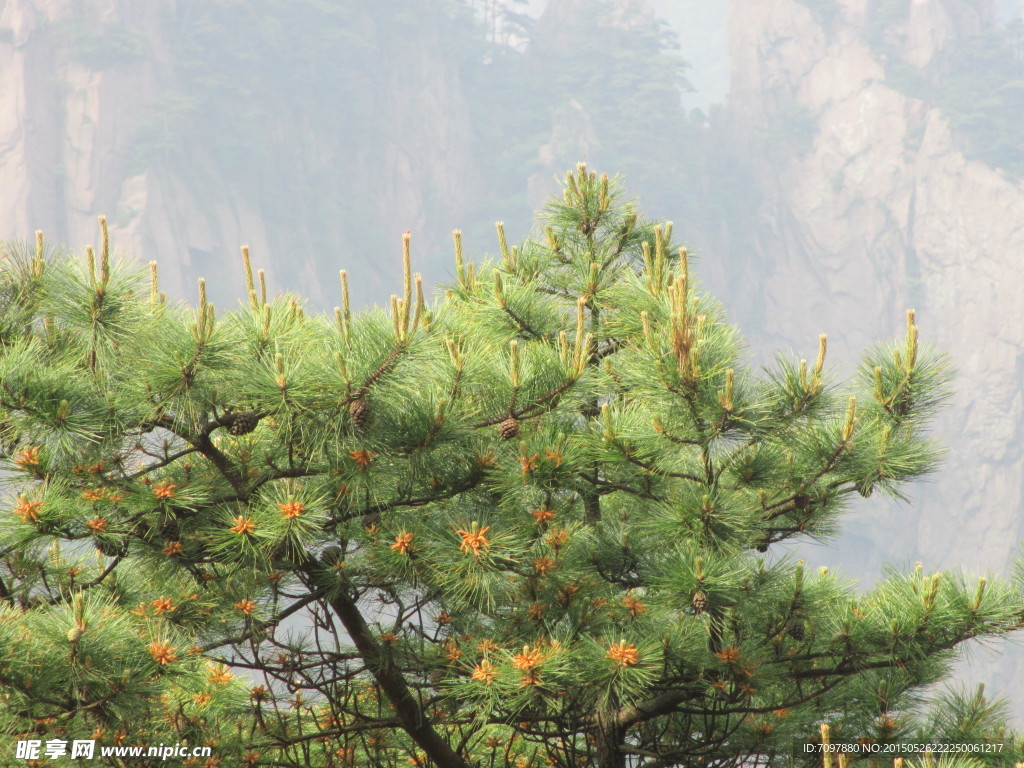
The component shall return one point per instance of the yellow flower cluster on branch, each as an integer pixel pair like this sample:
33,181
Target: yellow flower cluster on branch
484,672
29,457
291,509
623,654
163,653
164,489
403,543
242,525
474,541
27,510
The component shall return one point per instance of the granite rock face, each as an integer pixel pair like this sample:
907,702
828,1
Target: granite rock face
71,118
65,130
870,207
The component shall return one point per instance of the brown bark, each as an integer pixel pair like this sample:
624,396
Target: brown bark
410,714
610,734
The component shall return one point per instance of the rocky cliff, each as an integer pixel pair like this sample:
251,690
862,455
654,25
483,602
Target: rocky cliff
870,207
97,109
316,133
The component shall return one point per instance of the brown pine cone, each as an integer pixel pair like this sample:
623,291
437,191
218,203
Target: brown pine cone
112,546
795,629
509,428
241,423
360,412
700,602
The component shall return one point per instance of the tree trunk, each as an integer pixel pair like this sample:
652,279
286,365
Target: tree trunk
609,737
413,719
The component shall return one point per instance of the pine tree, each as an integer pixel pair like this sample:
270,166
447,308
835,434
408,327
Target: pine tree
533,523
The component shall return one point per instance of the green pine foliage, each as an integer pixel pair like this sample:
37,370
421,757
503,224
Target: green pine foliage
532,523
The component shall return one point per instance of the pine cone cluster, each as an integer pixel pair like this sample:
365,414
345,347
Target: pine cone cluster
509,428
700,602
795,629
112,546
360,412
241,423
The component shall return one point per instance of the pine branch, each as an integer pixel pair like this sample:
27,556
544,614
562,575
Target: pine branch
664,473
613,346
376,509
5,593
161,463
202,443
607,486
67,597
383,369
528,412
523,326
410,714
